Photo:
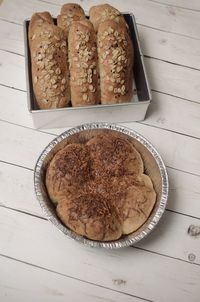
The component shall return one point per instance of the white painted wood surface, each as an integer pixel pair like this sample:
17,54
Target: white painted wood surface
39,263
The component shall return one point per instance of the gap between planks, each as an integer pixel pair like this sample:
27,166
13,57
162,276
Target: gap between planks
138,122
162,60
167,31
132,246
138,23
154,1
74,278
167,4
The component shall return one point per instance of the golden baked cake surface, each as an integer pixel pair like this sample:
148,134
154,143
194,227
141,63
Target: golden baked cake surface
99,187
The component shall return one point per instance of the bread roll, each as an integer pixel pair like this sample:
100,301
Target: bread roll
90,215
99,189
37,20
69,12
50,74
104,12
68,171
115,52
114,156
131,196
83,64
135,205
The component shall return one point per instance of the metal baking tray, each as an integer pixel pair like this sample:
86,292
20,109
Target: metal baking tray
154,168
72,116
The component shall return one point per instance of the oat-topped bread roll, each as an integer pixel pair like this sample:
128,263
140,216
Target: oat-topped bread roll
114,156
37,20
90,215
115,51
104,12
68,171
50,73
83,64
69,12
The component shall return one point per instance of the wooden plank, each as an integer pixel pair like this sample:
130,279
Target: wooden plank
19,11
36,284
16,183
11,36
172,19
164,77
192,4
162,112
15,107
169,47
22,146
184,193
172,233
178,151
12,70
30,239
172,79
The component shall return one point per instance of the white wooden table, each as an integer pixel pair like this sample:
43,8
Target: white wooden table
37,262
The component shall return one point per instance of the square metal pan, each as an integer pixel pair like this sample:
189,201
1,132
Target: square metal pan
71,116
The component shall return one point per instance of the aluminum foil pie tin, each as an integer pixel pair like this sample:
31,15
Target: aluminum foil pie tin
154,168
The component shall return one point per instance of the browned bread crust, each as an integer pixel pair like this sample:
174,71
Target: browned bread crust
90,215
50,74
133,200
99,188
115,52
69,12
114,156
68,171
104,12
83,64
37,20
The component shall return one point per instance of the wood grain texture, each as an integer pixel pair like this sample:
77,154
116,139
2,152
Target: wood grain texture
172,19
36,283
169,46
12,38
162,113
176,80
140,271
12,71
191,5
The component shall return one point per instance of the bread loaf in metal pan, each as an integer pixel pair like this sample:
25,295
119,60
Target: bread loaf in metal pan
115,54
104,12
69,13
50,73
83,63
